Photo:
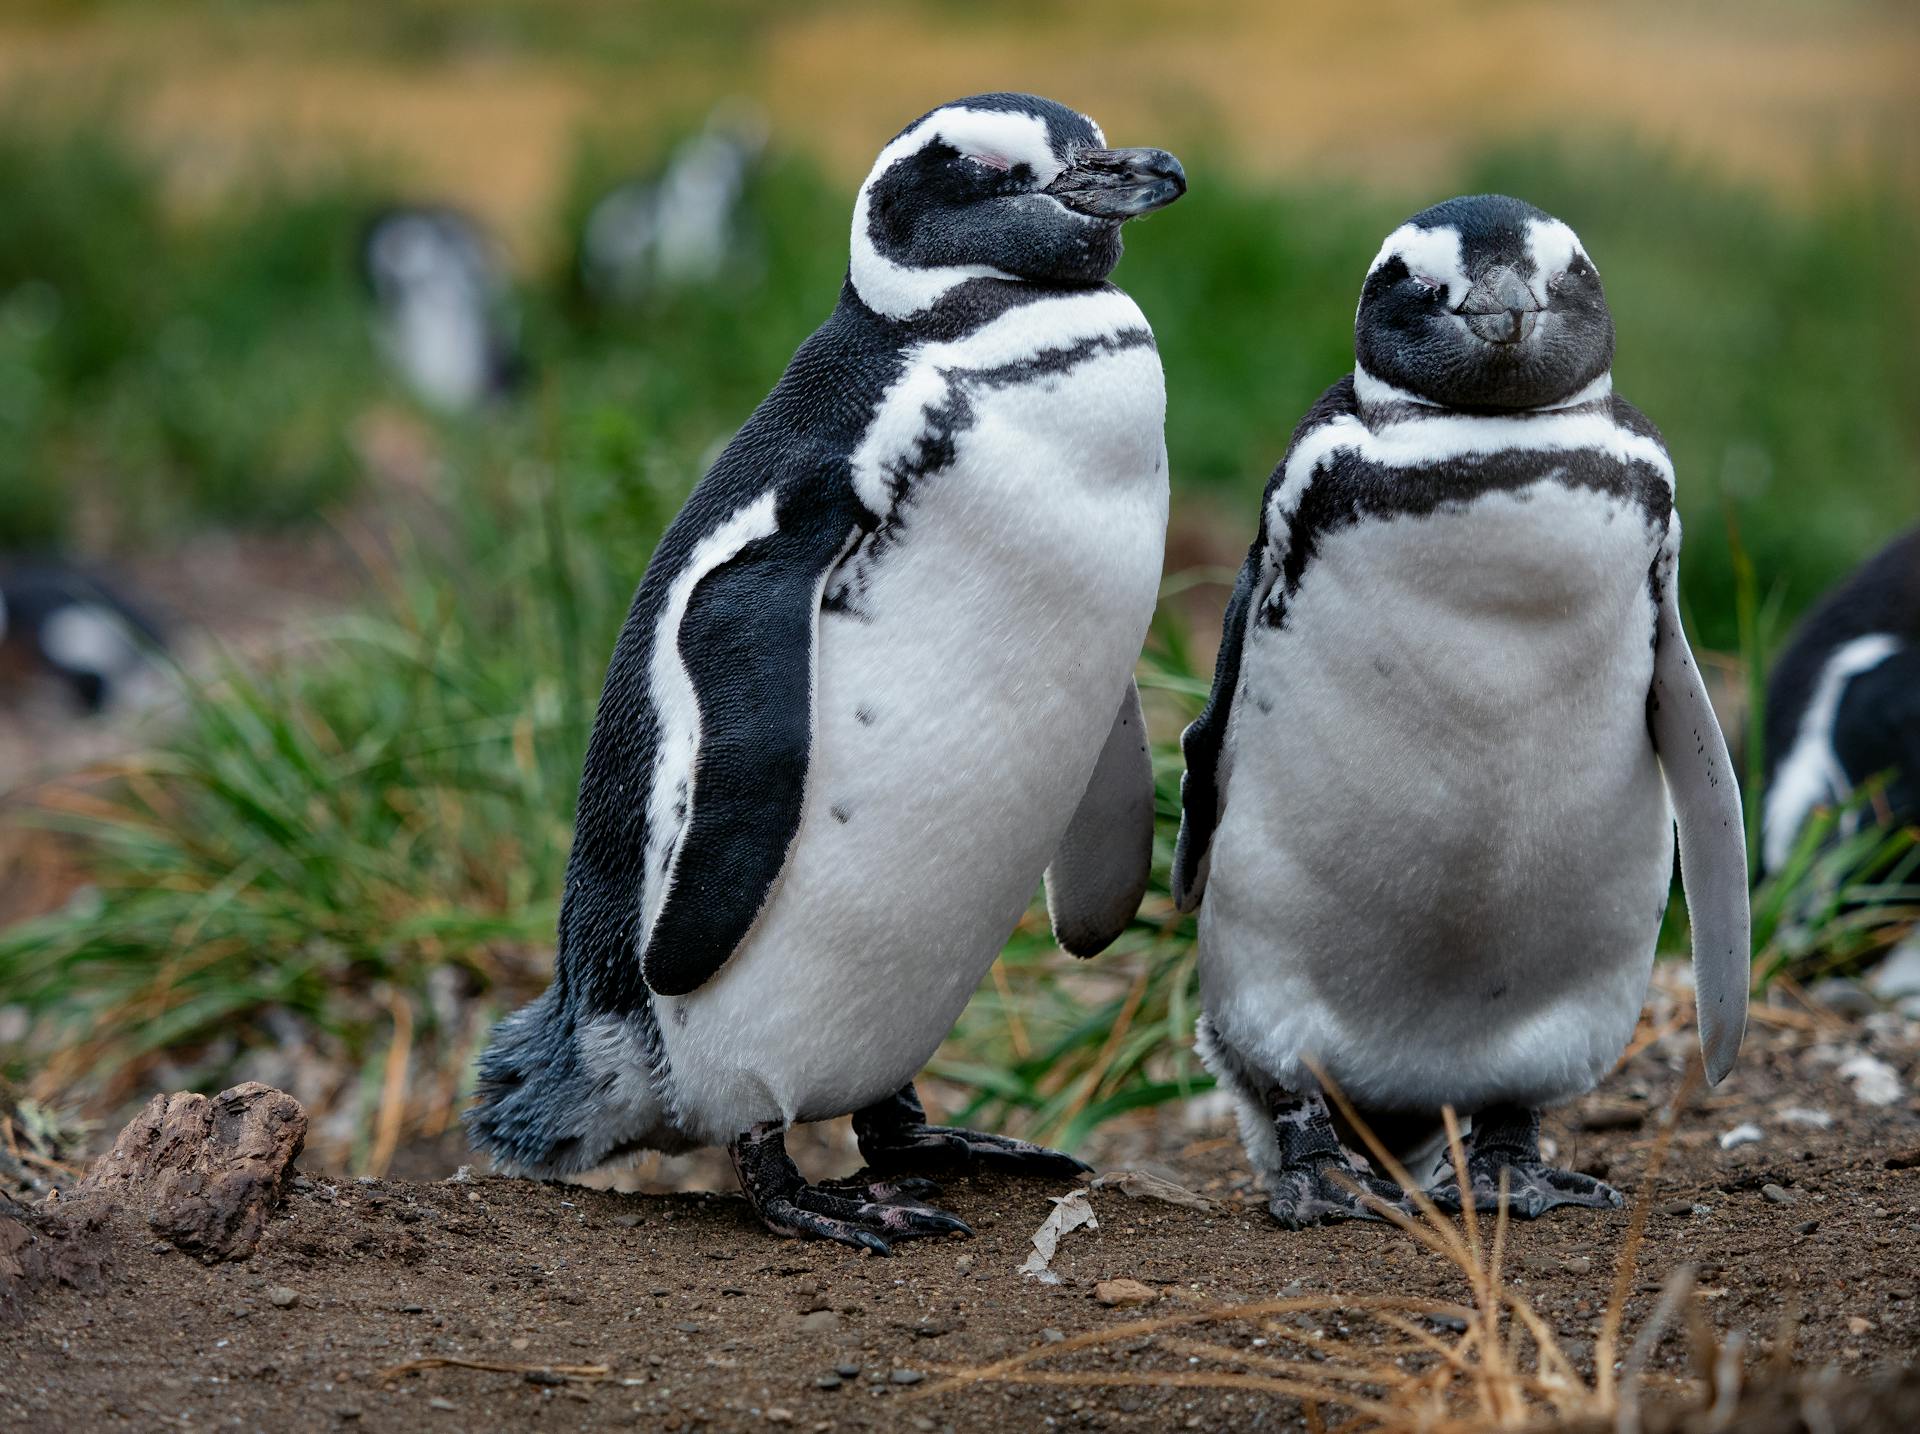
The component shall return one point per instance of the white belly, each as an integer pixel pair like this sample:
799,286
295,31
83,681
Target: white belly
958,716
1446,845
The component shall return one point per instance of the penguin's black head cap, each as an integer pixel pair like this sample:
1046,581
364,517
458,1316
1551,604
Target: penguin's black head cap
1483,303
1001,186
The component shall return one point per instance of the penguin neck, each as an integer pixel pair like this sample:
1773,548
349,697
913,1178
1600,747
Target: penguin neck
1382,403
965,306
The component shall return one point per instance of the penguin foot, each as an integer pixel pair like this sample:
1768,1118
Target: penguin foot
867,1215
894,1135
1506,1139
1533,1188
1327,1192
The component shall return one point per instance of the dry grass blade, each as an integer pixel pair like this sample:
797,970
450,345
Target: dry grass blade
1485,1379
584,1372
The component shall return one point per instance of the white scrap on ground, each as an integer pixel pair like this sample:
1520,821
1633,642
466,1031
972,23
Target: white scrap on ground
1874,1081
1745,1134
1070,1212
1145,1185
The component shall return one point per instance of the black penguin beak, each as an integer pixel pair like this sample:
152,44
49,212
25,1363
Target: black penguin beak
1119,183
1500,308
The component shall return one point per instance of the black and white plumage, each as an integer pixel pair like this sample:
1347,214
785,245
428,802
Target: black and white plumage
445,315
1428,801
875,681
1843,702
681,227
58,619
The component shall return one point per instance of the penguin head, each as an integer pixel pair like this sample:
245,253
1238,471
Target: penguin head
1000,186
408,252
1483,302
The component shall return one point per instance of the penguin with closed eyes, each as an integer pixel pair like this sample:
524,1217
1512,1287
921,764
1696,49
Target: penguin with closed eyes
1429,808
876,682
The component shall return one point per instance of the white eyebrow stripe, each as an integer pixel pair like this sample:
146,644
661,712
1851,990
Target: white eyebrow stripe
1435,253
1552,246
897,290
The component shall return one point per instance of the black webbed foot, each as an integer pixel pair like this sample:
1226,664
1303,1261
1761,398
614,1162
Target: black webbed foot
1506,1139
1304,1195
1318,1181
894,1135
868,1215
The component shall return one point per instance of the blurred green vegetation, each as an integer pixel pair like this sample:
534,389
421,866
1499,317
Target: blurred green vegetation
375,822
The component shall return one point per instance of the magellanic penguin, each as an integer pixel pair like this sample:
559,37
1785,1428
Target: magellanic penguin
1843,703
682,227
876,680
60,620
1425,802
445,316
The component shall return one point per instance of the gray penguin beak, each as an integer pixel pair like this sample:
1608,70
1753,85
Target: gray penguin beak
1119,183
1500,308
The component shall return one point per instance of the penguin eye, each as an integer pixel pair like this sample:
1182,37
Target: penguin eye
1428,284
998,163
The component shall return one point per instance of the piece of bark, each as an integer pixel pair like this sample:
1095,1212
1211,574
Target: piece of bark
206,1173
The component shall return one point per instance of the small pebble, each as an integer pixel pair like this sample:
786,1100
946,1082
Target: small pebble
777,1415
827,1381
906,1376
1857,1325
544,1376
847,1371
1780,1195
1806,1227
1677,1208
439,1403
413,1309
629,1222
1052,1336
820,1322
282,1298
1124,1294
963,1263
346,1411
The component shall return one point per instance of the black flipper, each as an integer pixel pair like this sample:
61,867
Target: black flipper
1201,744
1099,873
748,642
1203,784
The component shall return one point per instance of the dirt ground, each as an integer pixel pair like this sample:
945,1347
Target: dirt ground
702,1320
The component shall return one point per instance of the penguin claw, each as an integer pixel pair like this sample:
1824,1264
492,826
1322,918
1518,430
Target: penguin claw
867,1217
1533,1188
1326,1193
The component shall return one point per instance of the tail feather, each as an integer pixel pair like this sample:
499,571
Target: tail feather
558,1096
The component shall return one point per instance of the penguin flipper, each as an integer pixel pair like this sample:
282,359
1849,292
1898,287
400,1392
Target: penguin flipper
1203,785
748,641
1706,807
1099,873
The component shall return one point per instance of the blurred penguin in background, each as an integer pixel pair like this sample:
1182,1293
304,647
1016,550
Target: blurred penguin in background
681,229
445,316
1843,704
60,622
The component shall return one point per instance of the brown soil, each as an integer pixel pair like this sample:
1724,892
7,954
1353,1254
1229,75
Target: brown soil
703,1319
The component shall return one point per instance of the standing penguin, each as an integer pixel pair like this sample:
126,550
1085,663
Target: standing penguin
1425,801
59,619
445,317
1843,703
682,228
877,680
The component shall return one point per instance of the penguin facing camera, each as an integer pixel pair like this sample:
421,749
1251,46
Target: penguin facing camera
60,621
876,682
1843,703
444,313
683,228
1428,814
